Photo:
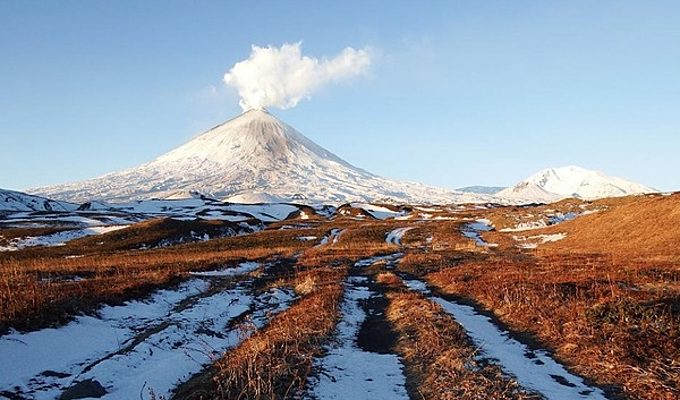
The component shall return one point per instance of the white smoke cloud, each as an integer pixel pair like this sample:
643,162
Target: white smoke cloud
281,77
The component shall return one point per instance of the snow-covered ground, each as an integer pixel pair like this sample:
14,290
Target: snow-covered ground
98,214
332,237
396,235
136,347
265,212
193,339
534,369
243,268
390,260
472,231
347,371
59,238
532,221
306,238
379,212
551,218
74,218
11,201
532,242
69,349
204,208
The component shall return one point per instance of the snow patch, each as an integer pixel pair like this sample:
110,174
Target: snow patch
306,238
347,372
58,238
193,340
395,236
532,242
472,231
379,212
140,345
332,237
69,348
390,260
551,218
243,268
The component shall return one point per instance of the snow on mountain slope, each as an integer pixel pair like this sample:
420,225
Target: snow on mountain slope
528,192
253,156
556,183
203,208
479,189
11,200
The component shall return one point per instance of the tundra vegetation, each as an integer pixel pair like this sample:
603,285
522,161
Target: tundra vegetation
595,285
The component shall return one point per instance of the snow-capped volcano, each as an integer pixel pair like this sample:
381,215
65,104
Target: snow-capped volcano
557,183
254,157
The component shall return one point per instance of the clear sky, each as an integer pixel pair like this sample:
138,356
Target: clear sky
459,93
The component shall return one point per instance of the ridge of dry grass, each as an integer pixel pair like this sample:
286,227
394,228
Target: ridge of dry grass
274,363
438,355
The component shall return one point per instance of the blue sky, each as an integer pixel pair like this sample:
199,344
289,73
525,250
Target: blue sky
460,92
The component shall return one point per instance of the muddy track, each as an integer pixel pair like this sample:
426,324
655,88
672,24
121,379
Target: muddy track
360,363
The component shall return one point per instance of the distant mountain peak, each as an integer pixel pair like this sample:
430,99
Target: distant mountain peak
480,189
551,184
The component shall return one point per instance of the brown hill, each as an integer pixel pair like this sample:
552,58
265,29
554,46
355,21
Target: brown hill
636,225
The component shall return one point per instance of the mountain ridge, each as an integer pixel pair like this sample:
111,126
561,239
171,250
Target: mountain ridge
13,201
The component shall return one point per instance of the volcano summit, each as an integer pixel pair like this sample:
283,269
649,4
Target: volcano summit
254,157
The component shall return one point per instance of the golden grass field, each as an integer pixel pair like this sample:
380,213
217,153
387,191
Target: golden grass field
605,299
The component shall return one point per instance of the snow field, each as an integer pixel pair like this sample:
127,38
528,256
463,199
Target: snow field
139,346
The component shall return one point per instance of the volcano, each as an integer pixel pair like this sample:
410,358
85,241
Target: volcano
252,158
552,184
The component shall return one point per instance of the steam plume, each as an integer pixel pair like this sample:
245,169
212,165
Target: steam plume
281,77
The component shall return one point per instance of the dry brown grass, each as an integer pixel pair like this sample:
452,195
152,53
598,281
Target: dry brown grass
614,322
152,233
446,236
606,298
634,226
274,363
38,291
358,239
420,263
439,357
511,216
365,235
12,233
